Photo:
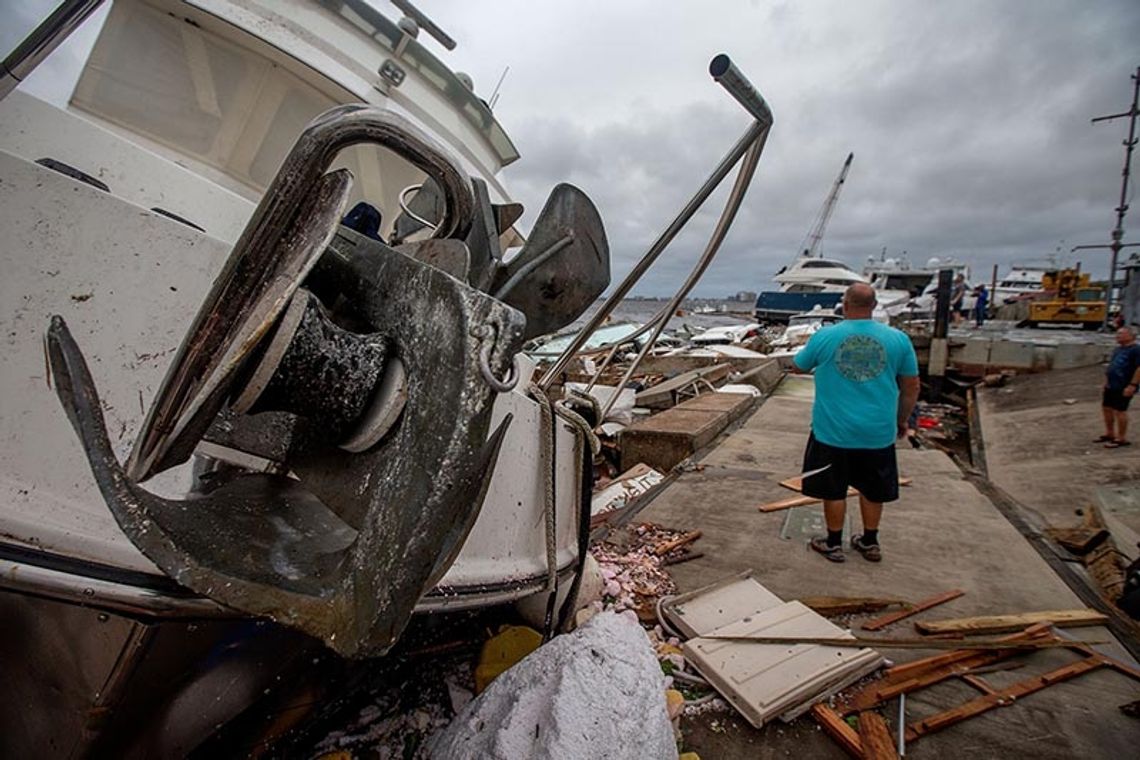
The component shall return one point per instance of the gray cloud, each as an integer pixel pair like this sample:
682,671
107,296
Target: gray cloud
969,121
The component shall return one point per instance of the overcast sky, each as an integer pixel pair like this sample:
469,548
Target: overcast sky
969,122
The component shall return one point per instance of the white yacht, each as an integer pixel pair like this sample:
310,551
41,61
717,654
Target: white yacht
1022,281
817,275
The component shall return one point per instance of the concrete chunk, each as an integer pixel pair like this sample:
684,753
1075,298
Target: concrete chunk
597,692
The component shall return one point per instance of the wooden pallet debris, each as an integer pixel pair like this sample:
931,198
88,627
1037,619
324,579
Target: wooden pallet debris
875,738
663,549
837,728
849,605
1005,623
882,622
966,665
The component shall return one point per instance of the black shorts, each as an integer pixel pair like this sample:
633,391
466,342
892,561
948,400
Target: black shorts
872,472
1115,399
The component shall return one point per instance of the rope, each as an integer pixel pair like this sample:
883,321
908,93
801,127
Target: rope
547,433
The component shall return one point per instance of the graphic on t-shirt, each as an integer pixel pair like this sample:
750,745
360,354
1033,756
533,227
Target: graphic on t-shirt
860,358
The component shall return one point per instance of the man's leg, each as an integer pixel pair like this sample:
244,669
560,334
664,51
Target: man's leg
834,513
1121,426
1109,421
872,512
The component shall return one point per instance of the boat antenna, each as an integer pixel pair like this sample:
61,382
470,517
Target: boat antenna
812,241
1122,208
425,23
495,95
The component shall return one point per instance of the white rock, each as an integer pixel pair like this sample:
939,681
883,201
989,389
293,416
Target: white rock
594,693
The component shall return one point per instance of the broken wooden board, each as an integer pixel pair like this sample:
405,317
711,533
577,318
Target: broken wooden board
795,501
848,605
882,622
875,738
1078,540
1107,569
676,543
797,484
837,729
1004,623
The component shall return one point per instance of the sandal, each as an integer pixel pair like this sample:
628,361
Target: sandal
1103,439
870,552
1117,444
833,553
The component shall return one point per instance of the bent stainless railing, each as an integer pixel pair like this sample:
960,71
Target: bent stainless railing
747,151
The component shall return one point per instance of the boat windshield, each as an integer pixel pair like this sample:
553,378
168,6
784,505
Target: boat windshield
223,104
825,264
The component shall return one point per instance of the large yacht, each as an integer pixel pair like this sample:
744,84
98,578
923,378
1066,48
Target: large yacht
817,275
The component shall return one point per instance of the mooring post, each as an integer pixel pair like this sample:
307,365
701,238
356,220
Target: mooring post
939,345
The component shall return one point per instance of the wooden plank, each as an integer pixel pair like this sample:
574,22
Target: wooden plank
1078,540
847,605
875,737
1003,623
1107,569
794,501
916,667
900,643
797,484
1000,697
919,674
676,543
838,729
880,623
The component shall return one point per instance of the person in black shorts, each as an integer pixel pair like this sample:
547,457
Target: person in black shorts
1121,380
866,384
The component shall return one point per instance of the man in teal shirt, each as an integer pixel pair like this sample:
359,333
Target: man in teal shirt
866,384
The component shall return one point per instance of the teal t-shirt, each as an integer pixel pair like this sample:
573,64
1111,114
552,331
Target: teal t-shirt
857,363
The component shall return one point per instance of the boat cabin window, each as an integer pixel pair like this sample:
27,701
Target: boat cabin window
825,264
219,103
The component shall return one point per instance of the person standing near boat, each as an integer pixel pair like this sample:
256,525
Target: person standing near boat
1121,381
958,299
981,298
866,384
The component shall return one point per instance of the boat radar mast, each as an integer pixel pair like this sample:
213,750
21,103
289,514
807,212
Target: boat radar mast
812,241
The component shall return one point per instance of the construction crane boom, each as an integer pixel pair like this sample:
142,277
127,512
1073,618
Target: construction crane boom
811,247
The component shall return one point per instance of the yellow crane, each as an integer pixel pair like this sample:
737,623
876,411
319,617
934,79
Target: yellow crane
1072,300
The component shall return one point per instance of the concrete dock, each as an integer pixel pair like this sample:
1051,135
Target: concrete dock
943,534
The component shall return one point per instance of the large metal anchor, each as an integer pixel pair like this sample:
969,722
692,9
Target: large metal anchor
344,550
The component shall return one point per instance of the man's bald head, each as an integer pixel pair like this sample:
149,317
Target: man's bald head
859,301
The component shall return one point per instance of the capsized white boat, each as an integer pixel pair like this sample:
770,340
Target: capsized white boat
243,427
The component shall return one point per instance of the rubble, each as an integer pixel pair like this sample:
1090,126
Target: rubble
596,692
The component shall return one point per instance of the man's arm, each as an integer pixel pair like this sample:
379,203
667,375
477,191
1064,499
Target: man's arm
1134,381
908,397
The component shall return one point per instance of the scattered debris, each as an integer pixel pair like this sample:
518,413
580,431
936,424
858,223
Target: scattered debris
764,681
622,491
501,651
882,622
964,664
1004,623
875,738
830,606
583,694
